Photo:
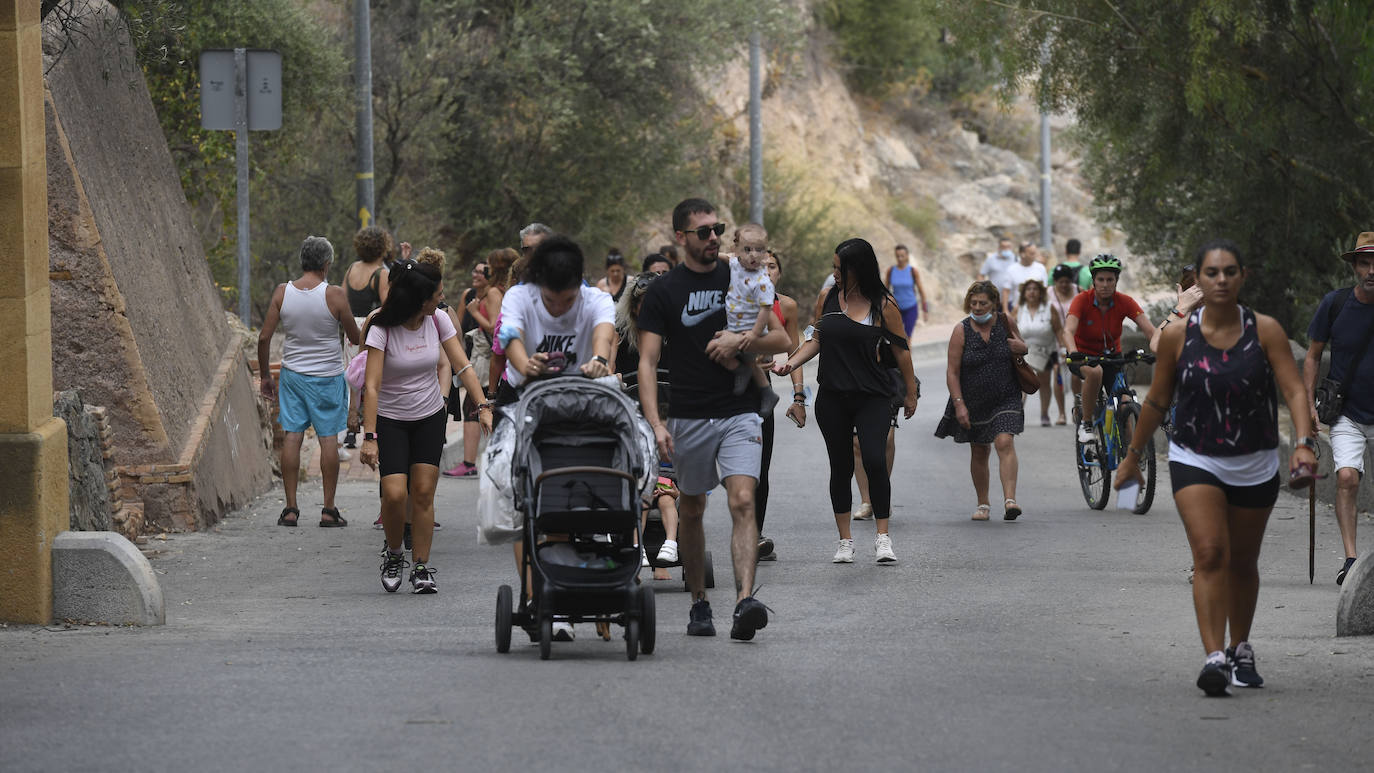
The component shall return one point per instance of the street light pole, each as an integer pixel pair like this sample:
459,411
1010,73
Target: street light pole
362,78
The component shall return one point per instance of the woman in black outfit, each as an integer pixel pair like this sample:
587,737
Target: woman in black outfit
859,318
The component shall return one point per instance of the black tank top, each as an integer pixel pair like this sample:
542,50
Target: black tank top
362,302
849,351
1227,403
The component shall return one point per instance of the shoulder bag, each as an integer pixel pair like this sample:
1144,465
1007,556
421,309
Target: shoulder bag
1329,396
1026,377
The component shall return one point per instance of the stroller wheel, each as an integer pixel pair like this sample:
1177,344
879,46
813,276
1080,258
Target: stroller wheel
546,637
504,610
646,620
631,639
708,571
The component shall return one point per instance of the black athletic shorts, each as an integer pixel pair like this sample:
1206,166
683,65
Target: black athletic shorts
401,444
1258,496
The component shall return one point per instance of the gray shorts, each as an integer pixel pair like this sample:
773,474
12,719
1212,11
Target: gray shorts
708,450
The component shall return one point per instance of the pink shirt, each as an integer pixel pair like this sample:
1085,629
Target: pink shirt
410,372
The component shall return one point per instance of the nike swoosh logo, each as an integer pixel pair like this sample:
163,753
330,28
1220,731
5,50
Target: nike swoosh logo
693,319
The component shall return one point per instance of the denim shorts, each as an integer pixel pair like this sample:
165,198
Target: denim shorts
312,401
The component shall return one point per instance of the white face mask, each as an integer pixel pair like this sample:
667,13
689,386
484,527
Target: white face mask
981,318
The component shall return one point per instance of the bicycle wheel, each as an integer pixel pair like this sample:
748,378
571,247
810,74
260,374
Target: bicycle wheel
1128,416
1091,476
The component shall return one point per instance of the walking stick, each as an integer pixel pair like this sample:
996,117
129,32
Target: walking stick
1311,532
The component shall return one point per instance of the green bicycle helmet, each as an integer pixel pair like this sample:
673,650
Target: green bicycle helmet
1104,262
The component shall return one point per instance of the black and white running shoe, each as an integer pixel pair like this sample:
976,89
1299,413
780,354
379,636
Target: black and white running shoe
1345,569
392,566
422,579
1242,662
1215,677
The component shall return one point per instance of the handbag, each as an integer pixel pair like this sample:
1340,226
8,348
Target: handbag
888,362
1026,377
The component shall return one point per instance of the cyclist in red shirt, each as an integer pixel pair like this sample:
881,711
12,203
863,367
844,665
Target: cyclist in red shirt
1093,326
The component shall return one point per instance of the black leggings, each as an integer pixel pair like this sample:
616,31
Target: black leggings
840,416
761,491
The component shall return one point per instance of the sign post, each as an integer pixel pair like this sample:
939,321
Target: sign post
252,103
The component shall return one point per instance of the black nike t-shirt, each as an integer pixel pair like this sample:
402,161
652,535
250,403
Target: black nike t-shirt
687,308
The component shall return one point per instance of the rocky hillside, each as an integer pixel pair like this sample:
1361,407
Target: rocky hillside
915,176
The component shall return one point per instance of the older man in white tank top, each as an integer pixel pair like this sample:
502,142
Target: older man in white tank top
312,391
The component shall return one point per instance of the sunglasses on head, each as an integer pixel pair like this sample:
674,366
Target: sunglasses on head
704,232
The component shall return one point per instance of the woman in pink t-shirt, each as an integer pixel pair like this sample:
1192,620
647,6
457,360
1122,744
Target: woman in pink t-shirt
404,413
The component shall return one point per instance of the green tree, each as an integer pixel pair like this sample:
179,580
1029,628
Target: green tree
1242,118
889,46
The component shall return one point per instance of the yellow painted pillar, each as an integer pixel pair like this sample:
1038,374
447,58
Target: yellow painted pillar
33,444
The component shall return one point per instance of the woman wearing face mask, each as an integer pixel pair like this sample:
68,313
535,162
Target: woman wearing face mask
984,408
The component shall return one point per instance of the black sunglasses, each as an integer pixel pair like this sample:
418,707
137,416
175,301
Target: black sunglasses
704,232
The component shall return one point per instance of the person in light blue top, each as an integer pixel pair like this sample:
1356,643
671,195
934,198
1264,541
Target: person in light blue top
904,282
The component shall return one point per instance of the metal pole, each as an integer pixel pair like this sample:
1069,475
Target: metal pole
756,127
1046,225
241,161
362,77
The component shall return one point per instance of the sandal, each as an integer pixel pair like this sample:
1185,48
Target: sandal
291,511
335,518
1012,510
981,513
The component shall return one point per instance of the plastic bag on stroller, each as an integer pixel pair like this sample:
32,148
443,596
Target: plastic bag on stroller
498,522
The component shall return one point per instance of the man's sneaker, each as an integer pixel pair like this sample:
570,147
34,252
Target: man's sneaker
392,566
1215,677
699,620
563,632
845,553
422,579
668,553
377,524
1242,662
766,549
864,512
882,549
1345,569
461,470
1085,433
750,616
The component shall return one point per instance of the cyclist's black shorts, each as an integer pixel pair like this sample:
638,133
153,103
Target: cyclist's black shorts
1108,372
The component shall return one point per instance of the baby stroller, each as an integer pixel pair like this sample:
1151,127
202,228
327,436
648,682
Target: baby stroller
654,532
583,458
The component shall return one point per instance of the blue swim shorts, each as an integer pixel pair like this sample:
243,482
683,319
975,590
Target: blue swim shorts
312,401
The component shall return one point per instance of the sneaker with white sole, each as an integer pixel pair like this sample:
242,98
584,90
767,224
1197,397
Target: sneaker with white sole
563,632
1242,662
668,553
864,512
422,579
882,550
392,566
844,554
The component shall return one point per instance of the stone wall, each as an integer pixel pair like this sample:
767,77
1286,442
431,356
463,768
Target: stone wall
138,326
87,445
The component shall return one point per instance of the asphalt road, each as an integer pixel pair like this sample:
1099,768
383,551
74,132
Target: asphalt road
1063,641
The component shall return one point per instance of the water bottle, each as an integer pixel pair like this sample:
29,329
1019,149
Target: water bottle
1108,417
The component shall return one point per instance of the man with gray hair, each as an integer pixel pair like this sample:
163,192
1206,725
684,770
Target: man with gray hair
531,235
311,390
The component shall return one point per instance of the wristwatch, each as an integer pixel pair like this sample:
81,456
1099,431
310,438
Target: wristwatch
369,436
602,360
1310,443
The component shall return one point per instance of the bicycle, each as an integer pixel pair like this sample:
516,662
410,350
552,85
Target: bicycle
1113,426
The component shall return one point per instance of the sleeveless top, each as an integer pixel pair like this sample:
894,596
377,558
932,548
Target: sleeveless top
1035,327
904,286
362,302
849,351
1060,307
1227,402
312,344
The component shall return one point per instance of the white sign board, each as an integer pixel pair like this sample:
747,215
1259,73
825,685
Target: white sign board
217,89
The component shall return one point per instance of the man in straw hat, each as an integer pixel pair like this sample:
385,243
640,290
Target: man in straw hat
1345,321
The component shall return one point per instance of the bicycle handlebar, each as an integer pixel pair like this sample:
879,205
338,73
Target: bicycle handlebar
1124,358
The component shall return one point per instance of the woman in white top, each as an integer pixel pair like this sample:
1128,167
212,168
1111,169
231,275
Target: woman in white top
1062,291
1039,329
404,413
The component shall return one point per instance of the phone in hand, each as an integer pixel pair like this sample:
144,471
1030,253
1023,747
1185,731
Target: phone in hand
794,419
555,362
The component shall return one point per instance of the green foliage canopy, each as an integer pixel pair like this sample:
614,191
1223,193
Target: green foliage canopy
1249,119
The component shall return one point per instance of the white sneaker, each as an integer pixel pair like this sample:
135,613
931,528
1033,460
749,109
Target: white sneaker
643,557
1085,434
668,553
562,632
845,553
882,549
864,513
